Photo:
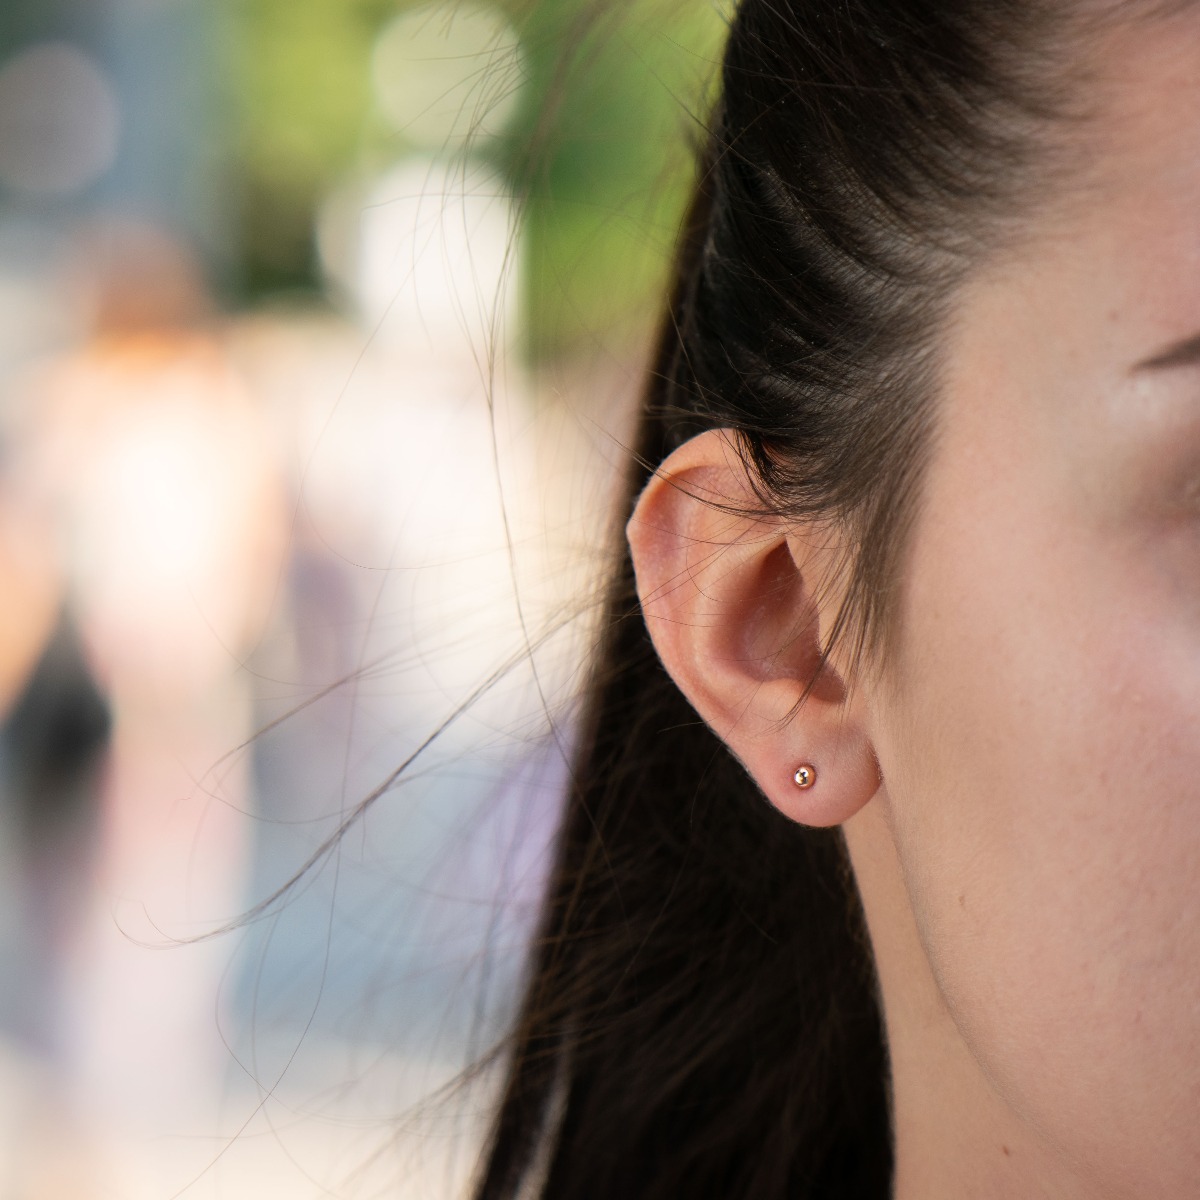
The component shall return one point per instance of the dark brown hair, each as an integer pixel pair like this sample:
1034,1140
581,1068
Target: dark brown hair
701,1016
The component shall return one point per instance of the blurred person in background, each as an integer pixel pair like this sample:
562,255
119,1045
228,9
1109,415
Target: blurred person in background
161,512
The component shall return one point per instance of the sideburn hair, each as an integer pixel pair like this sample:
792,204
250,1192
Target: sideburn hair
701,1016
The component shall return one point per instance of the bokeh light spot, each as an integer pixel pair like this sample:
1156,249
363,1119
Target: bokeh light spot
59,120
445,72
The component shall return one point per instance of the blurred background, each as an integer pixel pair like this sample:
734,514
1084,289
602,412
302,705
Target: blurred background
320,326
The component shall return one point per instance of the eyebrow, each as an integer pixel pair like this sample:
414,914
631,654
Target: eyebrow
1185,353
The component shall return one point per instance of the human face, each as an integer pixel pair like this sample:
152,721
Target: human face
1041,740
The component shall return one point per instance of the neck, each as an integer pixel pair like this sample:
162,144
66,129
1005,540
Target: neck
955,1134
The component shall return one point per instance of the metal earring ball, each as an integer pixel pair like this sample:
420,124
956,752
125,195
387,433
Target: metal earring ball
805,776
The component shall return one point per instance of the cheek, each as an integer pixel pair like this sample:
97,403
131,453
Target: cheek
1043,771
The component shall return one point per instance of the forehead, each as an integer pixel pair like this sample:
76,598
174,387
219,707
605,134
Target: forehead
1108,270
1143,181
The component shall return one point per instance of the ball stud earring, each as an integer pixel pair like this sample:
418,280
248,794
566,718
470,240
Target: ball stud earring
805,776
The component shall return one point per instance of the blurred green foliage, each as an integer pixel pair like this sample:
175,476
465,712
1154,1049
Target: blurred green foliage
299,98
600,150
606,189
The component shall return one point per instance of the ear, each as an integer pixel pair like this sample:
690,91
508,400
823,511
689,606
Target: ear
731,602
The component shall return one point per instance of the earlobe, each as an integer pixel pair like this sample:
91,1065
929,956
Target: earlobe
730,600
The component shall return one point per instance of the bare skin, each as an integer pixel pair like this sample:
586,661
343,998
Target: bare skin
1019,788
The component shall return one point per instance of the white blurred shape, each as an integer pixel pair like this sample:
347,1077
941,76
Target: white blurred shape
153,456
59,120
448,71
428,253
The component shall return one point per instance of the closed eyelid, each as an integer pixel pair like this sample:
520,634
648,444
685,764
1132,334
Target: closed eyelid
1184,353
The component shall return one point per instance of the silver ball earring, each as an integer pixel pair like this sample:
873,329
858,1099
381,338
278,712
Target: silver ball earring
805,776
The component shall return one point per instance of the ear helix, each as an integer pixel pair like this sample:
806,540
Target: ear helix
805,776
